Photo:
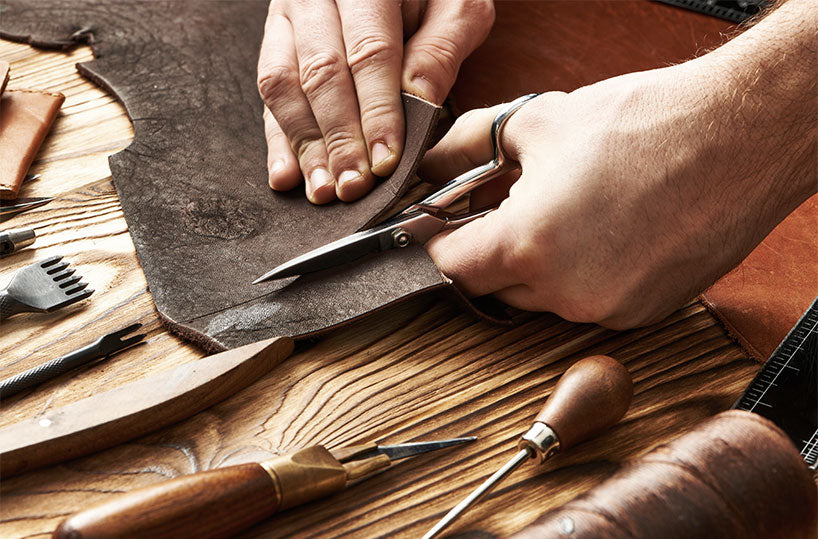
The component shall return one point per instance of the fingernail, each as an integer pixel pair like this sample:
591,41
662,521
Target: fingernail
319,178
276,167
380,153
422,87
348,176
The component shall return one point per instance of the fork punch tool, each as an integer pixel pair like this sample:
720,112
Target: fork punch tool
103,347
221,502
417,223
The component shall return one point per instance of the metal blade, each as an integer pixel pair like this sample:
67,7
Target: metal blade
11,207
401,451
479,492
333,254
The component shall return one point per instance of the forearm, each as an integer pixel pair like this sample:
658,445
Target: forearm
765,103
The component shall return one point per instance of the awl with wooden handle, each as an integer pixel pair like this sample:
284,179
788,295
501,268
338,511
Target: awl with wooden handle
592,395
221,502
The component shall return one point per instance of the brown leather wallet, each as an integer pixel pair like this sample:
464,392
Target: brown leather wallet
25,119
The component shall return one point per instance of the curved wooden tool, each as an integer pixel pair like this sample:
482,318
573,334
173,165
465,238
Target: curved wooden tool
137,408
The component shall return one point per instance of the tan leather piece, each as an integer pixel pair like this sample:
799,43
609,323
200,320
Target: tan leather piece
25,119
761,299
4,75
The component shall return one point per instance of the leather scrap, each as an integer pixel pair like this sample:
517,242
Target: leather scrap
193,183
25,120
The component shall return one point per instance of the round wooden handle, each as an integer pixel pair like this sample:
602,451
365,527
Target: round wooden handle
216,503
592,395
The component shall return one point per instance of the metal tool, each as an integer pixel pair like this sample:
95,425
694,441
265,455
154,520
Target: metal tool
105,346
785,390
15,239
417,223
44,286
732,10
9,208
590,396
224,501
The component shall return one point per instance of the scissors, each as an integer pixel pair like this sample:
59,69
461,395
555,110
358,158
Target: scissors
417,223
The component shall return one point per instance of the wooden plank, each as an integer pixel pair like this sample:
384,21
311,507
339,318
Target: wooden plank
422,370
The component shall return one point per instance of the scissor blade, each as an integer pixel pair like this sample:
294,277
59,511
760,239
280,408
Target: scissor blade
333,254
402,451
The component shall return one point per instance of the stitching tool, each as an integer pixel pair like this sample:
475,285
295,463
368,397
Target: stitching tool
592,395
221,502
105,346
44,287
417,223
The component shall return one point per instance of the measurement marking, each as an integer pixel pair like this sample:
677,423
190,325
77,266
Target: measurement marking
786,364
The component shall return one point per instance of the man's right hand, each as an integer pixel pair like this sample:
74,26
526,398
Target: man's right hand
330,74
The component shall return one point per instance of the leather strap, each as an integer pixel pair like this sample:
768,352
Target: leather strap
25,119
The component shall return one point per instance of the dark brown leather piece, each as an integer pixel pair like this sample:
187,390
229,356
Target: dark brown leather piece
25,120
193,184
761,299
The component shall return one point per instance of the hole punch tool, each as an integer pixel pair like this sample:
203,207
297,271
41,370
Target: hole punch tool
105,346
221,502
417,223
591,395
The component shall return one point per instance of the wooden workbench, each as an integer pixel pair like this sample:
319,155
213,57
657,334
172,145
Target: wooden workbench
424,370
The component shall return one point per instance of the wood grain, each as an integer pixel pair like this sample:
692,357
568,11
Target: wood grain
423,370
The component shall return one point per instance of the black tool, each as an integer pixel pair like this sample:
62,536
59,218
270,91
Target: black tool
43,287
102,347
19,205
730,10
15,239
785,391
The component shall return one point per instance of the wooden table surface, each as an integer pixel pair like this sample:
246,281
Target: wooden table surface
423,370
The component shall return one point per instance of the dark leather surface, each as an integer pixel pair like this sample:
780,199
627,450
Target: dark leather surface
193,183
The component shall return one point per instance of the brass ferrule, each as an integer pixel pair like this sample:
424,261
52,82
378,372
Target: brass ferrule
305,475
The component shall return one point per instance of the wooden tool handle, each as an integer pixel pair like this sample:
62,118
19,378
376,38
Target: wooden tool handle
215,503
592,395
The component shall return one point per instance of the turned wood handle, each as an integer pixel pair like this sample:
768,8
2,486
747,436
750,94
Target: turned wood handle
215,503
592,395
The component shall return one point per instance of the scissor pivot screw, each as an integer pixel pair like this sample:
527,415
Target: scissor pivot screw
401,237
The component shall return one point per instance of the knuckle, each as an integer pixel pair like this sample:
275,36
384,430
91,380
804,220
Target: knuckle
370,51
340,143
307,149
437,54
275,80
319,70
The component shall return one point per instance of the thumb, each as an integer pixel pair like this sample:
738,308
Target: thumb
449,32
480,256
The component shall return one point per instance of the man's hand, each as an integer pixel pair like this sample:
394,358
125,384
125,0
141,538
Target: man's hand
330,73
638,192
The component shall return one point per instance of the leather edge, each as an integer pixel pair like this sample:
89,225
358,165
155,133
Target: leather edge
732,332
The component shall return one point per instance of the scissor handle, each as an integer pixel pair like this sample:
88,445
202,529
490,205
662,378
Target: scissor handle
476,177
